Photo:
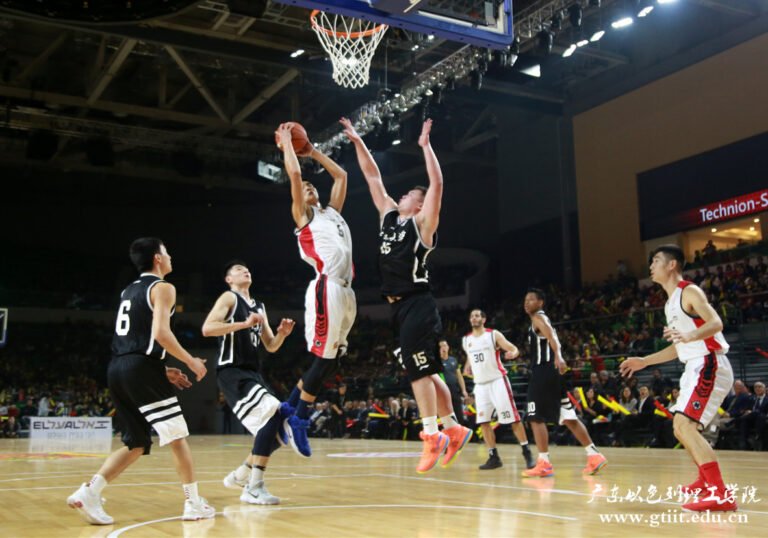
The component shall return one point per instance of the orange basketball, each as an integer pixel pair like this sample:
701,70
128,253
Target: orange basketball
301,144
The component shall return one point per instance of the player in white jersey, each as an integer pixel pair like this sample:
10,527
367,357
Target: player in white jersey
492,389
330,307
694,328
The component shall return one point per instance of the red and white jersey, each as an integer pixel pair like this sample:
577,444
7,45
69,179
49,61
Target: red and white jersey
679,319
326,244
484,356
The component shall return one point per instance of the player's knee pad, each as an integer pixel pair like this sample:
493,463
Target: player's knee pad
320,370
263,443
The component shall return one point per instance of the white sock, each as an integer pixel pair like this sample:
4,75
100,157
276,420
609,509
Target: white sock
243,472
544,456
257,475
190,492
524,444
592,450
97,484
449,421
430,425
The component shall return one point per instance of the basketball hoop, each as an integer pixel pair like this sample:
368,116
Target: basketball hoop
351,44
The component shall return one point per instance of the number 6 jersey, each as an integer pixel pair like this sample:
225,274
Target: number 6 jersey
133,328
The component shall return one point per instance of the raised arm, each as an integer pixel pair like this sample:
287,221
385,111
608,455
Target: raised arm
381,199
339,176
429,217
272,341
215,323
163,297
506,345
299,209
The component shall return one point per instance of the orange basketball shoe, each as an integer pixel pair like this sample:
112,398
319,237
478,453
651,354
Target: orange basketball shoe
595,462
543,469
434,446
458,436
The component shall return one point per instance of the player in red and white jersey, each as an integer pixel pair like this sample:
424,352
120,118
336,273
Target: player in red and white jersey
492,390
694,328
330,306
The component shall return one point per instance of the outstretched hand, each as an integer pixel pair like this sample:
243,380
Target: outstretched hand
286,326
284,136
425,130
177,378
631,365
349,130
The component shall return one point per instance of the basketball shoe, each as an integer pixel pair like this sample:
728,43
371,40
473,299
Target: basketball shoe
434,446
541,469
258,494
494,462
296,431
458,436
283,430
89,504
200,509
595,462
232,482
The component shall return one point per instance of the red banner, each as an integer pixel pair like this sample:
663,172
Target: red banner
731,209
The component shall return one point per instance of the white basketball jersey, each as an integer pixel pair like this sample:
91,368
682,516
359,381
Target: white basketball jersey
484,357
326,244
679,319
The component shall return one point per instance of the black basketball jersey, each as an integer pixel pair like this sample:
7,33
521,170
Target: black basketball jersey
402,256
133,328
541,354
240,348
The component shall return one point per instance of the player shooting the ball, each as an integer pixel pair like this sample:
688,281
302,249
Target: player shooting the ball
330,306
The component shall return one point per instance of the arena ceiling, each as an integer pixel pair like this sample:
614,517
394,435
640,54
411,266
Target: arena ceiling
196,94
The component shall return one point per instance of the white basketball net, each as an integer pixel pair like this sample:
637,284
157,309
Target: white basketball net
351,44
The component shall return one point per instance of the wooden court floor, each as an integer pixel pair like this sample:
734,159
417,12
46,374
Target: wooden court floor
369,488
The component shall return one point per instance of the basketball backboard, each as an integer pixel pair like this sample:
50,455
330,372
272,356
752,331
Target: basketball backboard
483,23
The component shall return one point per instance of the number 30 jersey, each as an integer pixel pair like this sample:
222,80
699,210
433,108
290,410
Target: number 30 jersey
240,348
133,328
483,356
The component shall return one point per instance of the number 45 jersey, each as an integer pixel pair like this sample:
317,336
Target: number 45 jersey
402,256
484,357
133,328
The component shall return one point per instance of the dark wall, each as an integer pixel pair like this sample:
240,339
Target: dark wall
536,188
719,174
81,225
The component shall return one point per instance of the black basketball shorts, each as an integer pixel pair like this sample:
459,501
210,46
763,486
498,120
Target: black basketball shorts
420,328
144,399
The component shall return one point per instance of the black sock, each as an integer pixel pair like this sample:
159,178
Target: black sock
492,452
302,409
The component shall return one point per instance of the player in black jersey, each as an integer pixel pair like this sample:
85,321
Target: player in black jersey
408,234
141,386
241,323
547,395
